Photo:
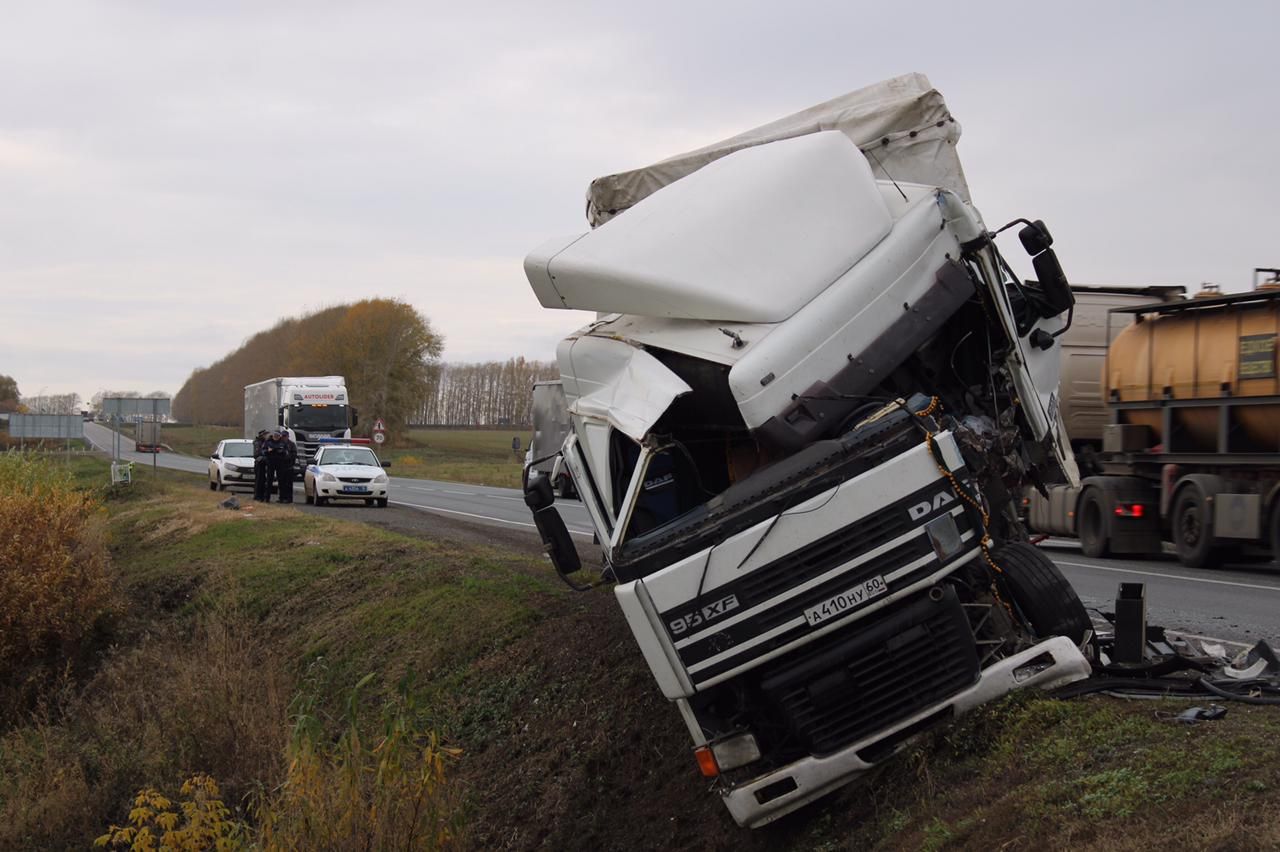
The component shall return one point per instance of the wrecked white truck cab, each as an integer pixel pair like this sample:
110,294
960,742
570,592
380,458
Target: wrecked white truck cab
797,427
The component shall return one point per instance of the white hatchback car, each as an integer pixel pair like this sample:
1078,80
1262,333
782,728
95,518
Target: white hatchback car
345,472
231,464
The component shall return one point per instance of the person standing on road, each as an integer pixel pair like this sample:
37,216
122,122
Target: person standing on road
280,454
261,472
285,476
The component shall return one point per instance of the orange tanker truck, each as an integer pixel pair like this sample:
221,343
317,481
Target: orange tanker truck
1192,450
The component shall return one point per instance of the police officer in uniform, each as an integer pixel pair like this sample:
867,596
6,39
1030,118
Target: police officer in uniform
261,472
280,454
285,475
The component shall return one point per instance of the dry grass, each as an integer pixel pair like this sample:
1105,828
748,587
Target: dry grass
209,700
55,582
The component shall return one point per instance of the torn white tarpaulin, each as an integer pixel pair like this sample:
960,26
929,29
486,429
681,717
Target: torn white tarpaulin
902,125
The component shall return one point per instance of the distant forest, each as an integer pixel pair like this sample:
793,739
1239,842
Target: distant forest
389,355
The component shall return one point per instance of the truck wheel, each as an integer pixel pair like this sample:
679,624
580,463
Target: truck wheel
1038,588
1192,537
1092,524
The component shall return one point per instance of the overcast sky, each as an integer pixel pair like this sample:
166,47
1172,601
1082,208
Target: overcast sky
177,176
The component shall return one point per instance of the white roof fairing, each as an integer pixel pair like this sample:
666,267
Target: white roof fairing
752,238
902,124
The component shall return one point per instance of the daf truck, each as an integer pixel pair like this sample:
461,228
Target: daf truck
309,408
801,425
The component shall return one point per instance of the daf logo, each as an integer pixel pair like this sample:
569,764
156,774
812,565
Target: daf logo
710,612
926,507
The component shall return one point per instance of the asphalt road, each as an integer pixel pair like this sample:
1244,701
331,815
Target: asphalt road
1238,603
503,506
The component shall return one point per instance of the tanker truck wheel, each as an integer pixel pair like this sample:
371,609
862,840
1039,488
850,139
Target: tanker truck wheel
1192,534
1092,520
1038,588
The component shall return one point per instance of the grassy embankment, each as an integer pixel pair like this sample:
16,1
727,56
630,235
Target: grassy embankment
475,456
234,628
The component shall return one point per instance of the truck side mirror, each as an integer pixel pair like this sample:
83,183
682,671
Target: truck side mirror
280,417
1053,282
355,416
557,541
1037,240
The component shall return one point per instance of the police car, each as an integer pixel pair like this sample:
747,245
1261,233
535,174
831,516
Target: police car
345,472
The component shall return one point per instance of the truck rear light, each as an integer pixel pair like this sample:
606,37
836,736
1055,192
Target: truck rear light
706,761
1130,510
735,751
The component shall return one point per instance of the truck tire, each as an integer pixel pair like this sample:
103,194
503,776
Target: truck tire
1192,536
1041,592
1091,523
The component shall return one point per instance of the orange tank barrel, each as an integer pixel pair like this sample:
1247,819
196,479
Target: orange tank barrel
1192,357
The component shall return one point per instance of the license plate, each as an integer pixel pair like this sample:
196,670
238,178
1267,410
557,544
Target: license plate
846,601
355,489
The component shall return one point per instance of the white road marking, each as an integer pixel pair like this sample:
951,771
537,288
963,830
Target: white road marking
481,517
1169,576
463,493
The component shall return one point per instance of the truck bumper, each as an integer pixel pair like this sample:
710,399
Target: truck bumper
768,797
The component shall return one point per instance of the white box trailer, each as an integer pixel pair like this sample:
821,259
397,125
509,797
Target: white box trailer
795,427
309,408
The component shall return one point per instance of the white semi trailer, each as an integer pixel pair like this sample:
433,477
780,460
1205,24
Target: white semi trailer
308,407
801,426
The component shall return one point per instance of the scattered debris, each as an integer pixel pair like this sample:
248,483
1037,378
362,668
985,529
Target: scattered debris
230,503
1212,713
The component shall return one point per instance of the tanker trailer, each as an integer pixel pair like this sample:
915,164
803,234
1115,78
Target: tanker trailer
1192,452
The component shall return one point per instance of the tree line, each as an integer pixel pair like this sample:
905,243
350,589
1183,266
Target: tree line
384,347
389,355
491,393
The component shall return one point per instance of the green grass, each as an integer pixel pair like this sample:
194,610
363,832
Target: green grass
475,456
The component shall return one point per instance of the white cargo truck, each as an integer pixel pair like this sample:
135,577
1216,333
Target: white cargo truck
309,408
801,425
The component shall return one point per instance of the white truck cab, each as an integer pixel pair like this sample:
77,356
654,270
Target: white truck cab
798,426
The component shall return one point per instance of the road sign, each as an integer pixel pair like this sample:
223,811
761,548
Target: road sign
66,426
379,437
379,426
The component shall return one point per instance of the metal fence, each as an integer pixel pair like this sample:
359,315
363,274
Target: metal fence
64,426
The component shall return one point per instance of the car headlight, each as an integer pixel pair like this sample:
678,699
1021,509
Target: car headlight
382,477
328,477
233,468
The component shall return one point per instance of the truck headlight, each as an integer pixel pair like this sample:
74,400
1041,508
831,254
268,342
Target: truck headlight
382,477
328,477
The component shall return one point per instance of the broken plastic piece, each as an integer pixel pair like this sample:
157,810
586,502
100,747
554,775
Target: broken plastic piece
1202,714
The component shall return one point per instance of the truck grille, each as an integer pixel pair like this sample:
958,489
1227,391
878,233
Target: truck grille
841,691
708,653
